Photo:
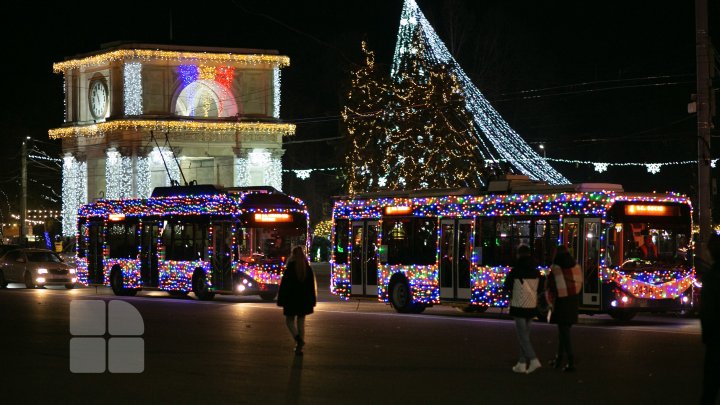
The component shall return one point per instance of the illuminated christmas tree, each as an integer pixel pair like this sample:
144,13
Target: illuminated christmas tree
430,142
417,40
365,120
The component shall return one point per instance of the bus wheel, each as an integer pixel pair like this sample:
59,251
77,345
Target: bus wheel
116,283
69,286
268,296
400,296
621,314
200,287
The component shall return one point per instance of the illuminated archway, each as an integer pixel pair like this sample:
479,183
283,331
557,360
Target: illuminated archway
206,98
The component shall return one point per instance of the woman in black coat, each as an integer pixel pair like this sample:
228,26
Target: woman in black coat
297,295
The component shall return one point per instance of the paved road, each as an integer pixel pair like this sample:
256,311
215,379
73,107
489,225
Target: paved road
237,350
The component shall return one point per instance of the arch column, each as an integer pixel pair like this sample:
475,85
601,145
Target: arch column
74,190
241,177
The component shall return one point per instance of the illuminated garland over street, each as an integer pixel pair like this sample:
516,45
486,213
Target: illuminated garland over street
147,55
102,128
508,144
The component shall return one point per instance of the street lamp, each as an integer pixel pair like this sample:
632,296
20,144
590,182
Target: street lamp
542,148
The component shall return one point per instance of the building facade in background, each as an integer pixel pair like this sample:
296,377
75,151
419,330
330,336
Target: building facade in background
138,116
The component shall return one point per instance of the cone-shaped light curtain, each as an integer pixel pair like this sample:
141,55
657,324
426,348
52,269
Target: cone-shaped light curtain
495,134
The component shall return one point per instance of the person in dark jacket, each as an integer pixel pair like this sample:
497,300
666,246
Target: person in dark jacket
563,295
710,322
297,295
523,281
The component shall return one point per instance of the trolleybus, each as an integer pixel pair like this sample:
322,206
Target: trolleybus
194,238
414,249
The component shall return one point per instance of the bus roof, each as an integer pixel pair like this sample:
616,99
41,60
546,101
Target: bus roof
197,199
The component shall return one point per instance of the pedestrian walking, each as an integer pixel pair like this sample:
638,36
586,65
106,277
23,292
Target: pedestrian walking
297,295
563,295
710,322
523,282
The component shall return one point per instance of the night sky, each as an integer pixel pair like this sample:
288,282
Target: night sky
594,81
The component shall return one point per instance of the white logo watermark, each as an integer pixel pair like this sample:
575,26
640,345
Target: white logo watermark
91,352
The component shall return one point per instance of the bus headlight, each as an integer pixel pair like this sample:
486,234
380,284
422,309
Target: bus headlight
241,288
42,271
72,271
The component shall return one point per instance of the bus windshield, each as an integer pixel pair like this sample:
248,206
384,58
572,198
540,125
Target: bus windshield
267,245
637,245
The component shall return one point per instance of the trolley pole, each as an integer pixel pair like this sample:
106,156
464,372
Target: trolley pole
23,197
704,122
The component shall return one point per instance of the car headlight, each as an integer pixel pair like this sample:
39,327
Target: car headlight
42,271
72,271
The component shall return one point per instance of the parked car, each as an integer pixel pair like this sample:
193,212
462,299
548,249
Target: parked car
35,268
6,248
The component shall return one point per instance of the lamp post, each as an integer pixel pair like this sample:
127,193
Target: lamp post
542,148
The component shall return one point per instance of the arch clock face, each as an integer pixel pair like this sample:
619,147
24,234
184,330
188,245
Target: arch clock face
98,97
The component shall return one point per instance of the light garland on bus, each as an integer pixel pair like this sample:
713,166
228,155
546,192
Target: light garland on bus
487,281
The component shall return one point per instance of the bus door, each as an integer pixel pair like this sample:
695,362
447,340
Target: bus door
571,236
96,275
148,254
455,255
591,262
221,260
363,267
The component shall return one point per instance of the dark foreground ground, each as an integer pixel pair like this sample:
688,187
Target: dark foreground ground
237,350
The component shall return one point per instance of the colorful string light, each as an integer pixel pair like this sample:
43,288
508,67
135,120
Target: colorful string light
487,281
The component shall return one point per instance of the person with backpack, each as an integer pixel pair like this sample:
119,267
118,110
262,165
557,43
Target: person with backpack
523,281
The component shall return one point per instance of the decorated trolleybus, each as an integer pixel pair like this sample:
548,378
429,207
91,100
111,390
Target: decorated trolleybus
418,249
193,238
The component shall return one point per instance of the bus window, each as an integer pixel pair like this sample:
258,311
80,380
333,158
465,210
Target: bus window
489,241
504,233
341,241
424,241
645,242
83,233
122,240
522,228
396,239
409,240
185,241
544,240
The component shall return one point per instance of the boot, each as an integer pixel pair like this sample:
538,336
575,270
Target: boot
299,345
533,365
299,341
556,362
570,367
